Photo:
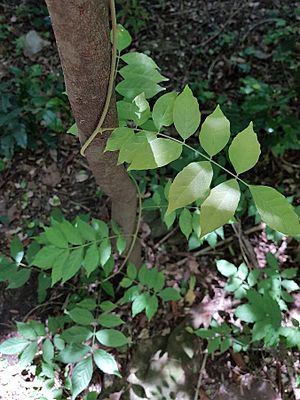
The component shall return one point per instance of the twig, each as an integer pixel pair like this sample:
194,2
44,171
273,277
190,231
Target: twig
165,238
225,241
202,369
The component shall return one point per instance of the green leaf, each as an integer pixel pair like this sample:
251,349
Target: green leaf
275,210
16,249
191,184
162,113
186,222
289,285
226,268
88,303
44,283
13,345
73,353
142,109
91,259
46,256
108,306
186,113
131,271
121,244
133,86
73,264
247,313
213,344
76,334
70,232
100,227
169,294
159,282
73,130
58,342
151,307
86,231
139,58
123,38
140,303
48,351
19,278
56,237
81,316
104,251
289,273
118,138
106,362
219,206
59,265
109,320
28,355
26,331
215,132
126,282
244,150
146,151
81,376
111,338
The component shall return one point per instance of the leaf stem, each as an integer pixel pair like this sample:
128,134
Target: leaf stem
204,156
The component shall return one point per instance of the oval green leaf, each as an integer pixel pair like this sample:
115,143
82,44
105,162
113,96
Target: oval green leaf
219,206
81,376
111,338
191,184
244,150
186,113
275,210
106,362
162,113
215,132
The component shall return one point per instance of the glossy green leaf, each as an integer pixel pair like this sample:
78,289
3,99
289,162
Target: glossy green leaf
73,130
162,113
219,206
46,256
215,132
131,271
147,151
104,251
244,150
140,303
192,183
121,244
91,259
142,109
26,330
86,231
186,113
139,74
111,338
106,362
131,87
139,58
73,264
14,345
124,38
275,210
81,377
81,316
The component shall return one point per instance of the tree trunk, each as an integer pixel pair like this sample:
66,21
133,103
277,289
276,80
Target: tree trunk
81,29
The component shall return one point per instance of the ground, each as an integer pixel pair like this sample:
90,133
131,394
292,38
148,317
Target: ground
192,41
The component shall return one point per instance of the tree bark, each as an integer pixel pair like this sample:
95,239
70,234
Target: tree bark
81,29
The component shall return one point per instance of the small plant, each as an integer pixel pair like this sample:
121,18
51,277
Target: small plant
91,329
267,293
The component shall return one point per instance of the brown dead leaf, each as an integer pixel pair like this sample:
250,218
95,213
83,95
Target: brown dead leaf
209,308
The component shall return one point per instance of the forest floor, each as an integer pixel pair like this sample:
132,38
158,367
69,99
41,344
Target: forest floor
37,182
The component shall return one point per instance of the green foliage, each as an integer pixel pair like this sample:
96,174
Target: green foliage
265,293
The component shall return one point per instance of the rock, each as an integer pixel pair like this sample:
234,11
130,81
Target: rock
33,43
